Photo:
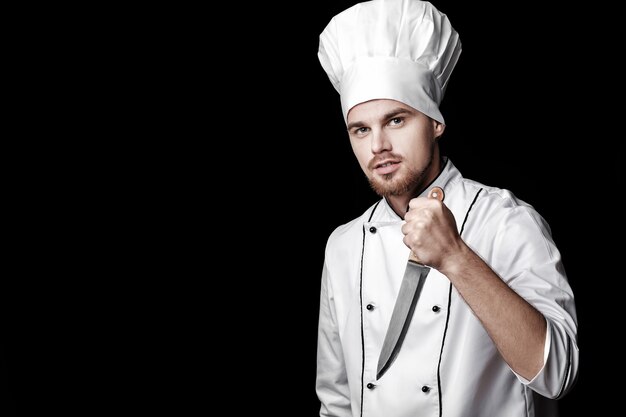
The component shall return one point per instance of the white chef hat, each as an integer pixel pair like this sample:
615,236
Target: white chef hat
403,50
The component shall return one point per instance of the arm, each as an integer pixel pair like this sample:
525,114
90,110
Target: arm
517,329
527,299
332,382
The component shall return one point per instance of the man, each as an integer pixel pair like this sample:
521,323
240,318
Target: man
494,328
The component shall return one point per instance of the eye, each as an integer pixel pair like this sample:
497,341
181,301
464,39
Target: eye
396,121
360,131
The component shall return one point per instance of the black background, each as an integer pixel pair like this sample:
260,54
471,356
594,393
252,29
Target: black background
174,265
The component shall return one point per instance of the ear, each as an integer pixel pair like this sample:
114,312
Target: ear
438,129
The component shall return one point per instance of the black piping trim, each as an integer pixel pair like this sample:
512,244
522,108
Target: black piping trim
361,308
373,210
445,331
468,211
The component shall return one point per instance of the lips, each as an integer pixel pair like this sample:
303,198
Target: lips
386,167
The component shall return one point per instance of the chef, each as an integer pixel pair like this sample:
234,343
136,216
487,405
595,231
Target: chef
493,331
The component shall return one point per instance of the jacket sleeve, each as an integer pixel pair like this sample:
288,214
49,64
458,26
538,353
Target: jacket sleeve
332,382
529,261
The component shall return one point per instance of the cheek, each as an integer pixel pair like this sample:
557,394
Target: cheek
415,151
420,148
420,142
362,151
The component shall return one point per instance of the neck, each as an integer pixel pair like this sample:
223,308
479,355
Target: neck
400,203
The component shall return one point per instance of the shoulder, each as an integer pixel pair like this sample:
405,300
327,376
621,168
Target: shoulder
488,197
499,212
468,198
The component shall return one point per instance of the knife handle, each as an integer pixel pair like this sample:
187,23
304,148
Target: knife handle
435,192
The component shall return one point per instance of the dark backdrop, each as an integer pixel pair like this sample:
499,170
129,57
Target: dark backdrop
170,260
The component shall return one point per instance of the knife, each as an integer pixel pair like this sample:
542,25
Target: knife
410,288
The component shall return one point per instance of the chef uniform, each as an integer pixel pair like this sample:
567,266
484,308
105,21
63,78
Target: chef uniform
448,365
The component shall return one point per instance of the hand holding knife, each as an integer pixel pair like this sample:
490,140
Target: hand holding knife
411,286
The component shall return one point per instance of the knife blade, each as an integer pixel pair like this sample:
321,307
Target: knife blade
410,288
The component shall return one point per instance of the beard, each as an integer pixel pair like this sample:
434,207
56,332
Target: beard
401,182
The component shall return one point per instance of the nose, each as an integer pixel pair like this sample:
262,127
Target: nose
380,142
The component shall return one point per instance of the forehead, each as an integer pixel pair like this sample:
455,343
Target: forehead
379,108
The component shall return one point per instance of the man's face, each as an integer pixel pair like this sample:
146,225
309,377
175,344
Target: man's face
395,145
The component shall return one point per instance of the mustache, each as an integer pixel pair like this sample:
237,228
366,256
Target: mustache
378,159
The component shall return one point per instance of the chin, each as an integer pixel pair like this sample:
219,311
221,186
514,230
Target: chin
390,185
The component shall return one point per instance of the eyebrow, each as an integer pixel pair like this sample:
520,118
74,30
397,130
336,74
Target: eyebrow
389,115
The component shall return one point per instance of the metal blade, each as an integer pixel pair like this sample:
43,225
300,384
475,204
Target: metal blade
411,286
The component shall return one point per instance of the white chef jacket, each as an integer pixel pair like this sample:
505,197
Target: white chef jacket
448,365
